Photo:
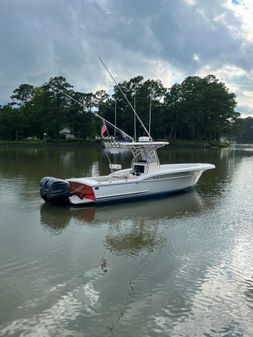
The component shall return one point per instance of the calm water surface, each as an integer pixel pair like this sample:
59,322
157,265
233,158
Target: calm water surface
177,266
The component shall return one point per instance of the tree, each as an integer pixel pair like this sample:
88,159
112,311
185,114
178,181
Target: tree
22,95
200,108
11,123
141,95
245,133
79,117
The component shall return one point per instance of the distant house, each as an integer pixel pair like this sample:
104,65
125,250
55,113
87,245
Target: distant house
223,139
66,134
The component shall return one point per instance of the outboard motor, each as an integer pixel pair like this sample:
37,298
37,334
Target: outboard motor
54,190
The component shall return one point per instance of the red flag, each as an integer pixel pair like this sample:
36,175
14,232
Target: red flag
103,129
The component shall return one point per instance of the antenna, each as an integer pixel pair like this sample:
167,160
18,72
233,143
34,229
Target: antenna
125,98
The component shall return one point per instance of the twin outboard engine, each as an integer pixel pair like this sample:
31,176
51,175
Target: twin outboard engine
54,190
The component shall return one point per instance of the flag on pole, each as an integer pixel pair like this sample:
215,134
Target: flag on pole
103,129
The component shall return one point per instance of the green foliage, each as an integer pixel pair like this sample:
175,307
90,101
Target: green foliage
23,94
12,123
245,133
197,108
200,109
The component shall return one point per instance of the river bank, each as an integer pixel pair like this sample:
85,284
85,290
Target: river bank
81,142
44,143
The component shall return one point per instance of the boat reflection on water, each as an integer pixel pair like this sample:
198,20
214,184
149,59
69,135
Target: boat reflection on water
132,226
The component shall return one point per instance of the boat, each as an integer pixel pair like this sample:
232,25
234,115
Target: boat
145,178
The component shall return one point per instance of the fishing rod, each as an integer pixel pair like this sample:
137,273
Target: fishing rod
150,110
129,103
124,134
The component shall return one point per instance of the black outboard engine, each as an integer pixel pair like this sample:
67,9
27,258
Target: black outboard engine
54,190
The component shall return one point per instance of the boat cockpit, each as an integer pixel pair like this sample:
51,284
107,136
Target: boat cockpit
139,168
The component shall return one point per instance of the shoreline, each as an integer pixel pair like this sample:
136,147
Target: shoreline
62,143
46,143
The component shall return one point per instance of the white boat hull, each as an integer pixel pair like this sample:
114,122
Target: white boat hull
122,186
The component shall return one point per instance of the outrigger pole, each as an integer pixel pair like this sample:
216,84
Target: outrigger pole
95,114
117,85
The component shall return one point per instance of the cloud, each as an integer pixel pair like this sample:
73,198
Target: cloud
157,39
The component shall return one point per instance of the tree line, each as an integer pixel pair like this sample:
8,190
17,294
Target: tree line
198,108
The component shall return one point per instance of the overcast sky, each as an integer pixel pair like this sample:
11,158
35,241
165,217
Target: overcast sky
159,39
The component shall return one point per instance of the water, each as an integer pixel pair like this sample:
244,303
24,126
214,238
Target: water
177,266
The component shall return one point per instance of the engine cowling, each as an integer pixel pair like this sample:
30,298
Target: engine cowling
54,190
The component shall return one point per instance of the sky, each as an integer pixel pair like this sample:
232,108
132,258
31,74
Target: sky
158,39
